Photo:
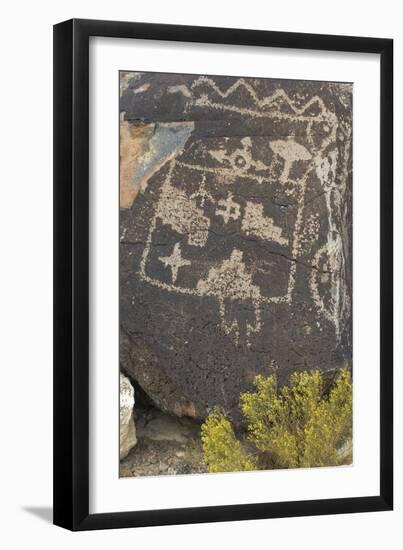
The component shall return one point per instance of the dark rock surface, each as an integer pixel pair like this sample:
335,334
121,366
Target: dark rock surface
235,254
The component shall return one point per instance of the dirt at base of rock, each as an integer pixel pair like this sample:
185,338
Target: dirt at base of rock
166,446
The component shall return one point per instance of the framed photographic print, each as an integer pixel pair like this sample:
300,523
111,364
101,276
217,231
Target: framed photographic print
223,274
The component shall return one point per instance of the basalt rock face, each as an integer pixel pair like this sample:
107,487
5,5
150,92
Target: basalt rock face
235,243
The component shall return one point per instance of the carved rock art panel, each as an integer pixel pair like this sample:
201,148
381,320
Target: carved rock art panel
235,246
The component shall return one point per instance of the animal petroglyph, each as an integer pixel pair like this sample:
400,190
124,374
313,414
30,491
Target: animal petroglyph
231,281
257,224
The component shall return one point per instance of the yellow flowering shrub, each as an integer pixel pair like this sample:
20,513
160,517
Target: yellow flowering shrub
297,425
222,450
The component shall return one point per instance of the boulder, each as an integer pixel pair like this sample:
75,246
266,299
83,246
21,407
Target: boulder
127,428
235,234
164,427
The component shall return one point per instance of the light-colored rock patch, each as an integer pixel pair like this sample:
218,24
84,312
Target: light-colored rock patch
127,428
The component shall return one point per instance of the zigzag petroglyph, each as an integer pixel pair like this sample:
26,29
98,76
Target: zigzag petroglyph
277,96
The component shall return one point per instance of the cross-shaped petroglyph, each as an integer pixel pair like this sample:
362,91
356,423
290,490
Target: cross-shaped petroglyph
175,261
228,209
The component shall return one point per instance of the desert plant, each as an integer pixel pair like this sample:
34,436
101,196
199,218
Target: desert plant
222,450
297,425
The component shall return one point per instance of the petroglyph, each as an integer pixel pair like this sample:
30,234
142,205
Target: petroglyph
181,89
185,213
231,281
241,160
235,228
256,223
290,151
175,261
179,211
309,233
228,209
331,255
202,193
141,89
266,106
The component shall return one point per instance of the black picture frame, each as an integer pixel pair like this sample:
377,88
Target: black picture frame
71,274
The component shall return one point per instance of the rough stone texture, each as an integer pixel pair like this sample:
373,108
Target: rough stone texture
127,428
166,445
235,222
163,427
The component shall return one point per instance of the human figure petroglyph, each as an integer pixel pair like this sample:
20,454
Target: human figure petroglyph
202,193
